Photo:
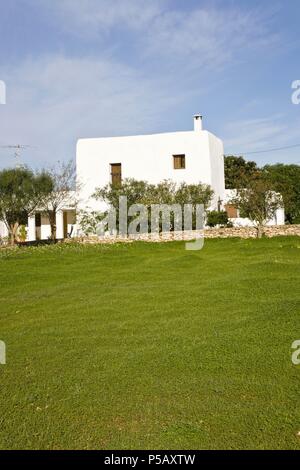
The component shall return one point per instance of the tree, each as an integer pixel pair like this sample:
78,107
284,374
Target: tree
133,189
285,179
238,172
142,192
21,191
64,186
194,194
258,202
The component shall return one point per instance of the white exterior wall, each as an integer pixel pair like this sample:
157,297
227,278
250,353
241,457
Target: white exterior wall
150,158
216,150
45,228
279,217
3,230
31,230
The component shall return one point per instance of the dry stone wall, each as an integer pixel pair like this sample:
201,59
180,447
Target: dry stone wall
235,232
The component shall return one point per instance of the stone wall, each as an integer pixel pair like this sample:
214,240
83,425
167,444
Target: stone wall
250,232
236,232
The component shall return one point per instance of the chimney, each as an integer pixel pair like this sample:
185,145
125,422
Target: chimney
198,124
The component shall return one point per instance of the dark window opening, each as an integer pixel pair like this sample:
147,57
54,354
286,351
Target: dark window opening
38,220
179,162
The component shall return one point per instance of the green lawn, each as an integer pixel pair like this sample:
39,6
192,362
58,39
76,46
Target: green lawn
142,346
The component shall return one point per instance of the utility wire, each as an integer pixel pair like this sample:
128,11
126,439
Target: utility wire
265,151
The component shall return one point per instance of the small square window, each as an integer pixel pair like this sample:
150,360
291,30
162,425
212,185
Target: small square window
179,162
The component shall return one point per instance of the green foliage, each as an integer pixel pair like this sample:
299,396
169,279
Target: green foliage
285,179
217,218
238,171
165,192
89,222
20,192
258,201
142,192
194,194
134,190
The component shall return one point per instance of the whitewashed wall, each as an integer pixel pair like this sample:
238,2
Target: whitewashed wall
3,230
150,158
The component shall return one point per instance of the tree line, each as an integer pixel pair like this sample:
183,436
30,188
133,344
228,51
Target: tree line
280,178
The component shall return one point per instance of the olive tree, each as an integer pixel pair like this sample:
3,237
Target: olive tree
258,202
21,191
141,192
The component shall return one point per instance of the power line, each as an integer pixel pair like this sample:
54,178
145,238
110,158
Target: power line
266,150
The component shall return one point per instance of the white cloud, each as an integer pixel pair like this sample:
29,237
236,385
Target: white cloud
99,16
198,37
253,134
56,100
207,37
256,135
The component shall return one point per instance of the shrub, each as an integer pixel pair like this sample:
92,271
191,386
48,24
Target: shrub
217,218
142,192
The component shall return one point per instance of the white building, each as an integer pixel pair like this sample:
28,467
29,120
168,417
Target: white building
193,157
238,221
38,227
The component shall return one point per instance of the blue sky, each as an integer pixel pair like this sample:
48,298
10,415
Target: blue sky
93,68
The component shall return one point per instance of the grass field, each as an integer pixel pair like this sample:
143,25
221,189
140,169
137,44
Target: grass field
143,346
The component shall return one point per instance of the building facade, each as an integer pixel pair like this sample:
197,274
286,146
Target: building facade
192,157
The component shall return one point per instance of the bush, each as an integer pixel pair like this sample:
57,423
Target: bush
142,192
217,218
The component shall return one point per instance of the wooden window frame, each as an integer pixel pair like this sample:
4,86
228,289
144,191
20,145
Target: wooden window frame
114,176
232,211
179,162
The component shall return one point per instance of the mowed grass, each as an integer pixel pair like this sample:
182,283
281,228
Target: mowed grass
143,346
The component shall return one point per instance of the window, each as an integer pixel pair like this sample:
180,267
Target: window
179,162
116,173
232,211
38,219
38,226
